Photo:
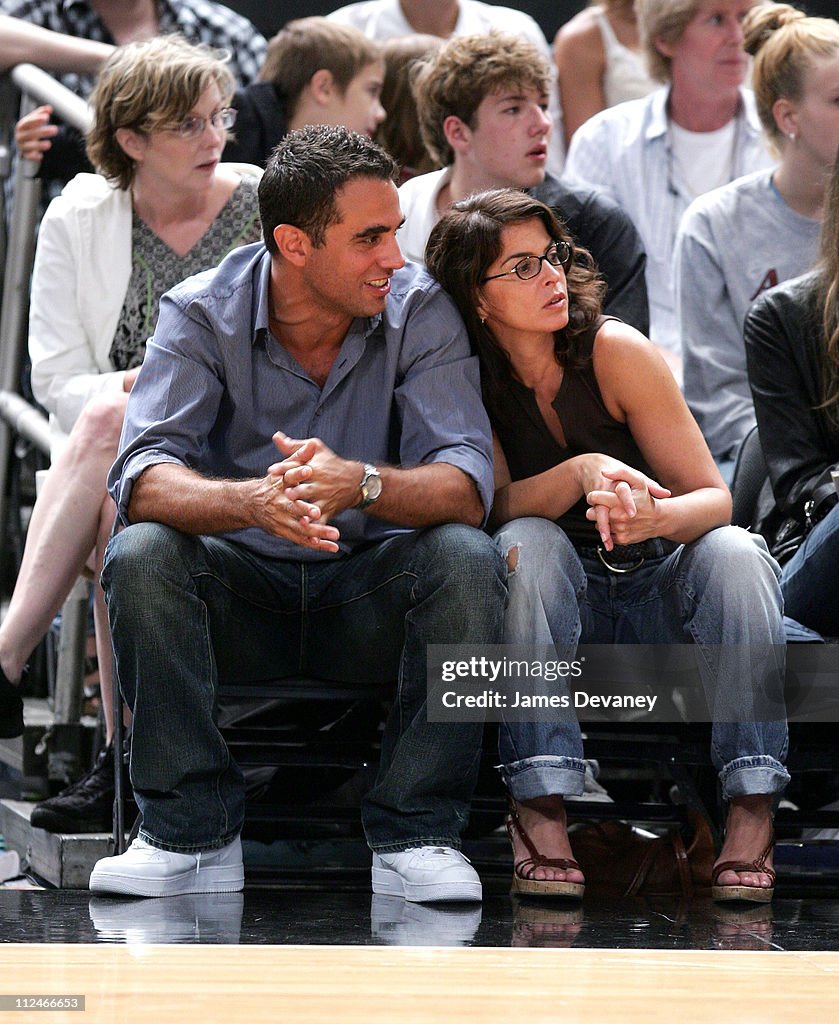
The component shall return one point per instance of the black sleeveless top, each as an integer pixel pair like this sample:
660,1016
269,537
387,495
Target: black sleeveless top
587,425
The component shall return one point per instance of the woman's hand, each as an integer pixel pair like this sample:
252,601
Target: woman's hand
33,133
622,500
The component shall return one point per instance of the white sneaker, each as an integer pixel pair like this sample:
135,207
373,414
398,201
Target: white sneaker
145,870
424,874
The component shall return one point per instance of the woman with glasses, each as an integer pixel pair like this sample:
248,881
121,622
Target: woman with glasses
163,208
612,517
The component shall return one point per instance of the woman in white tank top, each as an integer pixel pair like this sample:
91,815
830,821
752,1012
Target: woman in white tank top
599,61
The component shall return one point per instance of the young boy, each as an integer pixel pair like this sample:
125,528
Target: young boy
315,72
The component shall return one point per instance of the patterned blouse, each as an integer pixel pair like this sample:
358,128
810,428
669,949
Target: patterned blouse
156,269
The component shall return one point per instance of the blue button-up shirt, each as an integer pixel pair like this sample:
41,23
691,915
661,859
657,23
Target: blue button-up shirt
215,386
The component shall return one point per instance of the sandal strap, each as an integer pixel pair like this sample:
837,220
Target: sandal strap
758,865
525,868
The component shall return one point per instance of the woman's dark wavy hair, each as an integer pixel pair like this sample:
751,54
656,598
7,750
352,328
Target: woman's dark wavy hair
463,245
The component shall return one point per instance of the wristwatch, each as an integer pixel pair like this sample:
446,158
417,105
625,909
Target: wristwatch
371,485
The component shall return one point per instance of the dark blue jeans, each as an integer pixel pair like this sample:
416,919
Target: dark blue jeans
186,611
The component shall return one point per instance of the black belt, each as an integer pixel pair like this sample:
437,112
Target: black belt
625,558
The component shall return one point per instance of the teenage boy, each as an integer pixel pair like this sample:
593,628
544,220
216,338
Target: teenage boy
482,103
386,19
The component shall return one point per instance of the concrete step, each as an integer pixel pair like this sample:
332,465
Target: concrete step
63,860
48,751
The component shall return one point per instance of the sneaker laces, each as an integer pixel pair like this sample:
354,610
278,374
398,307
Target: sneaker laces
141,846
429,851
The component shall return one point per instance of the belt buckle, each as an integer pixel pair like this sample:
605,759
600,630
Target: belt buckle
613,568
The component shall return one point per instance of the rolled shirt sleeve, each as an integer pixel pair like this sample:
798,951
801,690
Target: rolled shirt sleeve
215,386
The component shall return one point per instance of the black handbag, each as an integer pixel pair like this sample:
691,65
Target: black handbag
792,530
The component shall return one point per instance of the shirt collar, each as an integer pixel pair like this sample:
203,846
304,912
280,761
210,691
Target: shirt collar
367,325
657,116
657,120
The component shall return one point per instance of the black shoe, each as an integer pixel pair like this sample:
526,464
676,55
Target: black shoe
11,708
86,805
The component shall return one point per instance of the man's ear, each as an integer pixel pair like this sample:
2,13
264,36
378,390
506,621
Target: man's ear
293,244
132,143
322,87
458,134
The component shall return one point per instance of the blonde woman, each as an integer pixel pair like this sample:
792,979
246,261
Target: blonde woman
742,239
163,208
600,62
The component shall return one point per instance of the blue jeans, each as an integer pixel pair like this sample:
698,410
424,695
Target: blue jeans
721,589
810,579
186,611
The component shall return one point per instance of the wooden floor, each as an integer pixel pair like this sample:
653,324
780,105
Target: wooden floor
366,985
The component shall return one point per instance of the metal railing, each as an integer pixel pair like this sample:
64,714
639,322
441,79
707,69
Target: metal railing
17,417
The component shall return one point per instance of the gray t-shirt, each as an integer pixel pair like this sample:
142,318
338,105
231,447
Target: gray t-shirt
733,244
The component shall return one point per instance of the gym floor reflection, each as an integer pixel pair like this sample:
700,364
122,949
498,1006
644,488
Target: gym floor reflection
330,915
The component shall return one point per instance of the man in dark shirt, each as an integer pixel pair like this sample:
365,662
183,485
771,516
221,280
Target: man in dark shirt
343,560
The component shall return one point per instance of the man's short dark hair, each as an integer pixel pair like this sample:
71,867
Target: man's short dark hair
306,171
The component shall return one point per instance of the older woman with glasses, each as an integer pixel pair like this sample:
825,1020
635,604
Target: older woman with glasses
587,420
163,208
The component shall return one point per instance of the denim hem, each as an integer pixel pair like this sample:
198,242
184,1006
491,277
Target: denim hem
750,776
410,844
215,844
545,775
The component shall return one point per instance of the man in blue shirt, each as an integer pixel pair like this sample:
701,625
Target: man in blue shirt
304,467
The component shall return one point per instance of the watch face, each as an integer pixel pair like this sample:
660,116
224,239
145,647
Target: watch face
371,485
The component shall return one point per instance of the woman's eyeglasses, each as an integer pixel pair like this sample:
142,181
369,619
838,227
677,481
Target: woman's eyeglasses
558,254
192,126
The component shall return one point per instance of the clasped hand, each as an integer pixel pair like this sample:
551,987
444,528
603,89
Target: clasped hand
622,503
306,489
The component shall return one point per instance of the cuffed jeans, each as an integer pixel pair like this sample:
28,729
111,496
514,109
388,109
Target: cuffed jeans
810,579
186,611
720,592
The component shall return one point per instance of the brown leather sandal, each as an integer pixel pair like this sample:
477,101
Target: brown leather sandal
747,893
524,883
